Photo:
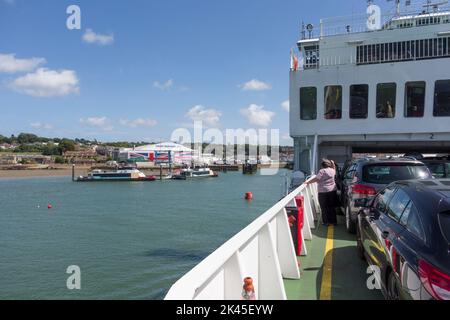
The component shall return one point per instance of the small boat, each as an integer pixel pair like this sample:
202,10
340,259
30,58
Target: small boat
249,168
196,172
118,174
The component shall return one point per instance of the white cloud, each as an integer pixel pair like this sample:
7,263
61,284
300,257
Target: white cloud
255,85
47,83
100,122
209,117
39,125
285,105
10,64
256,115
102,39
138,123
164,86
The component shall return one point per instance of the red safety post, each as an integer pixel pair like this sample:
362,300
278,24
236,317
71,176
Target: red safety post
300,202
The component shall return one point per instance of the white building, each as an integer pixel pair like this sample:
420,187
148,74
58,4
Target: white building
157,153
377,90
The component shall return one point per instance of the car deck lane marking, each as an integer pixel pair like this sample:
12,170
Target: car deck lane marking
325,289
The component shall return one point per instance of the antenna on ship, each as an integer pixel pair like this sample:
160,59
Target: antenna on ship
398,6
434,6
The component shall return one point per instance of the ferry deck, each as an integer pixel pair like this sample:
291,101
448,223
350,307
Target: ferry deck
358,89
327,268
332,270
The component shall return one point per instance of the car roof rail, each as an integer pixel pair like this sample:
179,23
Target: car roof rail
409,158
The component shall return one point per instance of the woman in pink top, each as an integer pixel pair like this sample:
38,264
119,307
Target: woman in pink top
327,191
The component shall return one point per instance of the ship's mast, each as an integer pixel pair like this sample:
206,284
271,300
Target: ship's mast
434,6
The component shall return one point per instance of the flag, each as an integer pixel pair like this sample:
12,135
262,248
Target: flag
294,61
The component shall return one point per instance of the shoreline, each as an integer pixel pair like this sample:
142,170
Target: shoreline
40,173
66,171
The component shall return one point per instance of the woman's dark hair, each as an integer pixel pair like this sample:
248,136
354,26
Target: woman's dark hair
326,164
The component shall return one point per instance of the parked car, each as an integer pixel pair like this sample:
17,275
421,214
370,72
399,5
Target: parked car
439,167
365,177
405,232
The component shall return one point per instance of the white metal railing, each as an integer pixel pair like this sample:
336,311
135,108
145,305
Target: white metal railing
389,21
264,251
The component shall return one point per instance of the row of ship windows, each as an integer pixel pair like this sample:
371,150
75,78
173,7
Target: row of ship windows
403,51
386,107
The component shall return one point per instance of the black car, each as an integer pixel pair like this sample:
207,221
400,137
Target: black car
404,232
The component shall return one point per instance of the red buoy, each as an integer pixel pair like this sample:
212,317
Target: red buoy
248,196
49,206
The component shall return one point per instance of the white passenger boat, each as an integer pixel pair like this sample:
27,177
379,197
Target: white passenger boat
196,172
119,174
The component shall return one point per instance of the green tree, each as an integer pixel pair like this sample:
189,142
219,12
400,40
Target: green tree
24,138
59,160
66,145
51,150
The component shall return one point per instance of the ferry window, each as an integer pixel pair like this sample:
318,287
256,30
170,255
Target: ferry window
442,98
333,102
415,99
386,98
359,101
308,103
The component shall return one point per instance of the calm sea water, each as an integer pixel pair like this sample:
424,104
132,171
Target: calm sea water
131,240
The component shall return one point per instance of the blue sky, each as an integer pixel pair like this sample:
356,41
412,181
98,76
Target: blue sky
139,69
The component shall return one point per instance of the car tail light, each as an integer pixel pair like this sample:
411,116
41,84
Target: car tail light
436,282
365,190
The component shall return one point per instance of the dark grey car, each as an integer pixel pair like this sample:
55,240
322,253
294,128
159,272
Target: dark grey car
405,233
364,178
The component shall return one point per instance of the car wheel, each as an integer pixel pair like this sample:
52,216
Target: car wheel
392,289
349,223
359,245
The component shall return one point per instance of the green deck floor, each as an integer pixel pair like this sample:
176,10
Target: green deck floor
348,276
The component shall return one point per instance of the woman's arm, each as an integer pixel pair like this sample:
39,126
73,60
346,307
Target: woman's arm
315,180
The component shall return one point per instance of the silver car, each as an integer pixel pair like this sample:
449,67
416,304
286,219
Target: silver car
364,178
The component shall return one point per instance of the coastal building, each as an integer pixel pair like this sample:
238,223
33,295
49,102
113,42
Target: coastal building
156,153
368,87
15,159
86,156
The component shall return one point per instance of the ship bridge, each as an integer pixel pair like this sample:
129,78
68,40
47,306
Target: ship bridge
367,88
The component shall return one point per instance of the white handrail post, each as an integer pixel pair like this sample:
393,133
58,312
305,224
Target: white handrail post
271,285
233,278
286,249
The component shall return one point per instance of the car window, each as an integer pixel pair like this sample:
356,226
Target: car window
447,169
444,223
386,174
437,169
410,219
381,201
398,204
350,172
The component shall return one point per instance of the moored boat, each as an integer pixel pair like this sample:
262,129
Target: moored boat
119,174
196,172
